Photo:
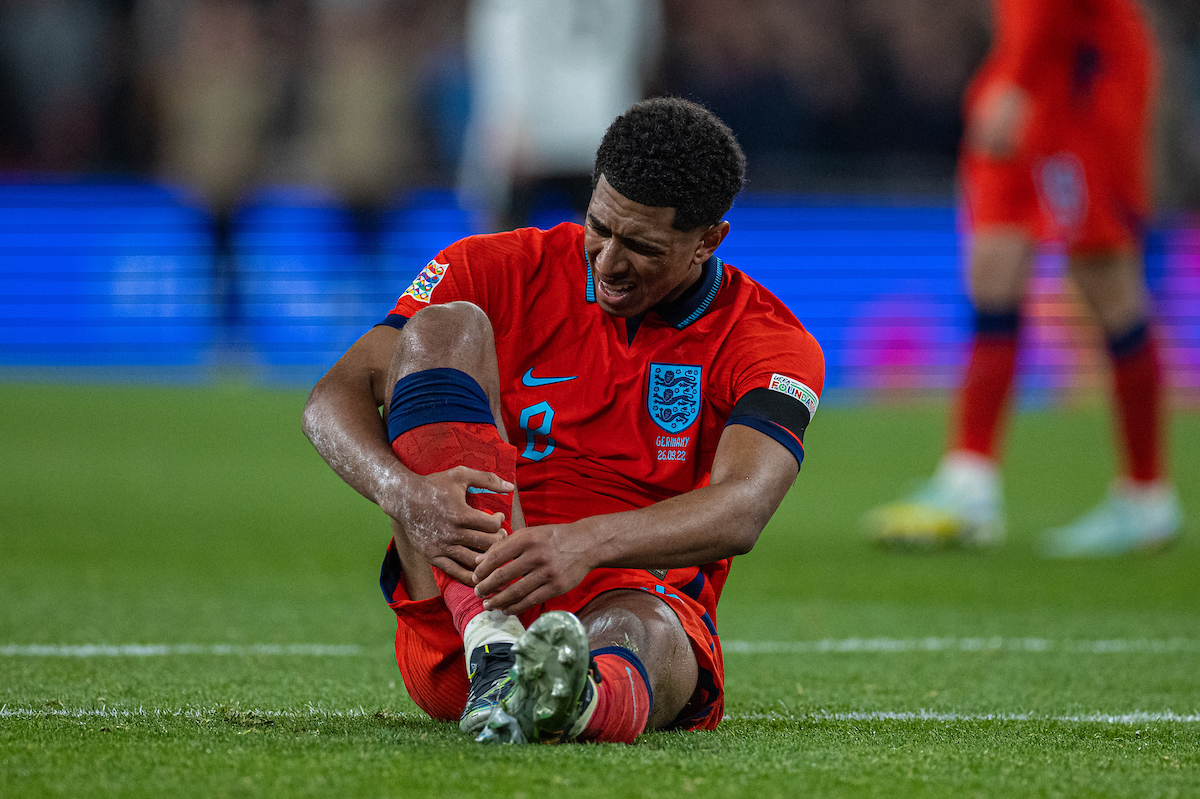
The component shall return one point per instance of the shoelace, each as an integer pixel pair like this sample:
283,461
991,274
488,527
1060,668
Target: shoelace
490,663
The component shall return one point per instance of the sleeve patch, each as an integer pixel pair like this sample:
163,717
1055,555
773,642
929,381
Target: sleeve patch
796,390
424,284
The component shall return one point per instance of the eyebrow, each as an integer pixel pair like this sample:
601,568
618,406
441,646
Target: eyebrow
636,244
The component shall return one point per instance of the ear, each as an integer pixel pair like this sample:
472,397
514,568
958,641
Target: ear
710,240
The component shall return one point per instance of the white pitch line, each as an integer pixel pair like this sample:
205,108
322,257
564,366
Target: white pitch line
188,713
823,646
1135,717
993,644
164,650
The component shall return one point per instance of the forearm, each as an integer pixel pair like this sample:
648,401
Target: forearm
345,427
431,510
751,474
701,526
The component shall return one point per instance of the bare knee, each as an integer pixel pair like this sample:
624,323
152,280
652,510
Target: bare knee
455,335
1000,264
1113,284
439,334
646,625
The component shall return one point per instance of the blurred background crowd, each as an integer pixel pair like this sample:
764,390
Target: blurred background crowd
369,97
197,182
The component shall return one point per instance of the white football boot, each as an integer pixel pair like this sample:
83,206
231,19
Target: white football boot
1130,519
959,505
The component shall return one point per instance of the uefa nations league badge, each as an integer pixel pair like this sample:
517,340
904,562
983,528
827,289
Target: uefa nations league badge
673,398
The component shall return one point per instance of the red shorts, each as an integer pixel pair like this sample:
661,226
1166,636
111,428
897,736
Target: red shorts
1081,172
430,652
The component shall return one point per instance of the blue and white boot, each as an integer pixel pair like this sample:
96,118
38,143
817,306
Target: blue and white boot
1130,519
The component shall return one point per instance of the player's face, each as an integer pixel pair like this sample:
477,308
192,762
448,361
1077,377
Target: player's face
638,259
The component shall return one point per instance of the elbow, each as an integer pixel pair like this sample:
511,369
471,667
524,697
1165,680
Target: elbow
744,540
310,420
750,522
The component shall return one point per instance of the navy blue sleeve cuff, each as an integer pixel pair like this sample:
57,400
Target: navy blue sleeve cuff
775,431
394,320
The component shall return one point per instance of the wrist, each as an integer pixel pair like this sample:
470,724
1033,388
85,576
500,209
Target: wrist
589,540
393,489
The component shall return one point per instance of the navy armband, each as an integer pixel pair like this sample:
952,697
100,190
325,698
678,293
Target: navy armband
776,415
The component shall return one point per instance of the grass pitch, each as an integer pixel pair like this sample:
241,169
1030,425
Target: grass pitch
189,606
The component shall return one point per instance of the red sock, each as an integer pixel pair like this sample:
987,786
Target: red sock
1137,396
983,397
623,699
440,446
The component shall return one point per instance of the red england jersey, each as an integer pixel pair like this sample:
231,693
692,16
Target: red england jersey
1080,172
609,414
1057,49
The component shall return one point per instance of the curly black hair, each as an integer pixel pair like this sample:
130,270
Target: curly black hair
668,152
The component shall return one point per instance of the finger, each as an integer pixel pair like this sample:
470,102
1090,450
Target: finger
453,569
543,594
486,481
475,540
498,569
467,558
499,554
513,594
476,523
488,583
487,522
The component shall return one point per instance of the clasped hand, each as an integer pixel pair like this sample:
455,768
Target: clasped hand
532,566
451,534
512,573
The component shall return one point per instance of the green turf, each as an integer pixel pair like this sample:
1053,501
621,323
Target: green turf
202,517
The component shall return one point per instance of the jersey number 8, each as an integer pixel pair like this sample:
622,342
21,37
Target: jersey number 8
539,434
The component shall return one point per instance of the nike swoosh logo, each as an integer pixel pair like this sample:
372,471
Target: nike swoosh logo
528,379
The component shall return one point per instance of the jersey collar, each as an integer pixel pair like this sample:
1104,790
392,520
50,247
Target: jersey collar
687,307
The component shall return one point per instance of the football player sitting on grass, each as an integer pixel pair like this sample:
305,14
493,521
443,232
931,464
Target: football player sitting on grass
581,427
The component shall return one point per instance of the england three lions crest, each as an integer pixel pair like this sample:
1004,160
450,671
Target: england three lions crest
673,397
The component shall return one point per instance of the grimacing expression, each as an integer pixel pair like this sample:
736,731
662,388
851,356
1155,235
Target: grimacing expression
638,259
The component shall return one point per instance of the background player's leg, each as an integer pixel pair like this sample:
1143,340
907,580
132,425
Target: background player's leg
1115,289
1141,510
1114,286
961,503
1001,260
1000,265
